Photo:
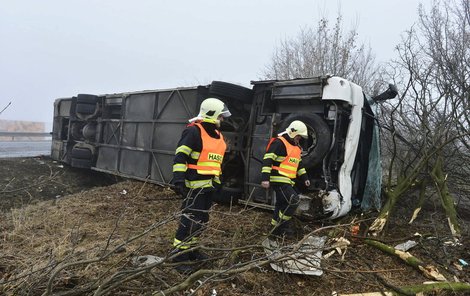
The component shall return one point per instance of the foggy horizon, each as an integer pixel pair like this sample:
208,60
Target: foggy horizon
54,49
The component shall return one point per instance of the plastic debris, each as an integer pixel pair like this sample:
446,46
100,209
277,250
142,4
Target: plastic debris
406,245
123,192
463,262
146,260
305,260
339,245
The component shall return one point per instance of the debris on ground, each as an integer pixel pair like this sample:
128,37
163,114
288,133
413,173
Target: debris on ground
65,230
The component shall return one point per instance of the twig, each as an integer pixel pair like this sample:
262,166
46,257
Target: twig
239,268
50,178
364,271
116,224
104,256
8,184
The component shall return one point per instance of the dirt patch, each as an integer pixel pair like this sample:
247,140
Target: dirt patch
80,242
31,179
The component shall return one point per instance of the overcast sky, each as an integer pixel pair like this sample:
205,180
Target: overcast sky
59,48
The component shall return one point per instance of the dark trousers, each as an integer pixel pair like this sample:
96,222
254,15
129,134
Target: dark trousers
195,209
287,201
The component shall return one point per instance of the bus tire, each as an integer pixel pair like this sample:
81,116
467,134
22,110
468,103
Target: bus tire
319,137
231,91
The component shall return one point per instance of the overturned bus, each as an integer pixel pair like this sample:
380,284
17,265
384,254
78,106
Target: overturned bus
135,134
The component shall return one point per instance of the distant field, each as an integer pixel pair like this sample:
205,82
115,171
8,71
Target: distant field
24,149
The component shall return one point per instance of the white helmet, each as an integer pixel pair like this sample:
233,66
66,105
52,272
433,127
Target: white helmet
211,108
295,128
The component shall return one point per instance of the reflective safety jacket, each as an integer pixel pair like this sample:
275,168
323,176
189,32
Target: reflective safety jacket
199,155
282,162
211,156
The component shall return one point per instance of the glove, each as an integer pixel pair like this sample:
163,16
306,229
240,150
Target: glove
180,189
265,184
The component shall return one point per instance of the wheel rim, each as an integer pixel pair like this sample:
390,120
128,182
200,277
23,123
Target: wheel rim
311,142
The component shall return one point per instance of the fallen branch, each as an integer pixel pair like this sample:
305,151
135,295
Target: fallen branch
429,271
190,280
424,288
51,177
104,256
440,180
205,274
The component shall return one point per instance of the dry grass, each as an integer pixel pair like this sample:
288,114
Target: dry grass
81,227
75,240
40,237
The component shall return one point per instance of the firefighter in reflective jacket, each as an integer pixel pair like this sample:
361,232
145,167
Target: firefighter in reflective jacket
196,171
281,165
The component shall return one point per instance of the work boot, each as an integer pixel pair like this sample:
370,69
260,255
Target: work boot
183,261
283,229
197,255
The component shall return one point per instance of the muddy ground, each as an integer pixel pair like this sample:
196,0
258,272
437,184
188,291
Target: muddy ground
73,232
27,180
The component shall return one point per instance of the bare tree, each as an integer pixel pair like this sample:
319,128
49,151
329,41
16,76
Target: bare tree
322,50
429,123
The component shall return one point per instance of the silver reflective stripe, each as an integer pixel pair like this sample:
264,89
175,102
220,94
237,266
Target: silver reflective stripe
183,149
198,183
284,217
195,155
179,167
281,179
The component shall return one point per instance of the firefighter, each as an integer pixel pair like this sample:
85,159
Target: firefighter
196,172
281,165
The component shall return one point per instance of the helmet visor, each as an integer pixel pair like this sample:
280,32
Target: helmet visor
225,112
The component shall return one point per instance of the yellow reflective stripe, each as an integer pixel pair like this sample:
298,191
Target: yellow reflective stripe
266,170
285,172
195,155
179,167
290,176
281,179
194,239
209,120
181,245
198,183
284,217
280,158
301,172
270,156
273,222
206,170
287,167
183,149
216,179
209,163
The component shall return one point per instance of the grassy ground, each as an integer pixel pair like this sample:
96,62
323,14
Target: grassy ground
86,242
